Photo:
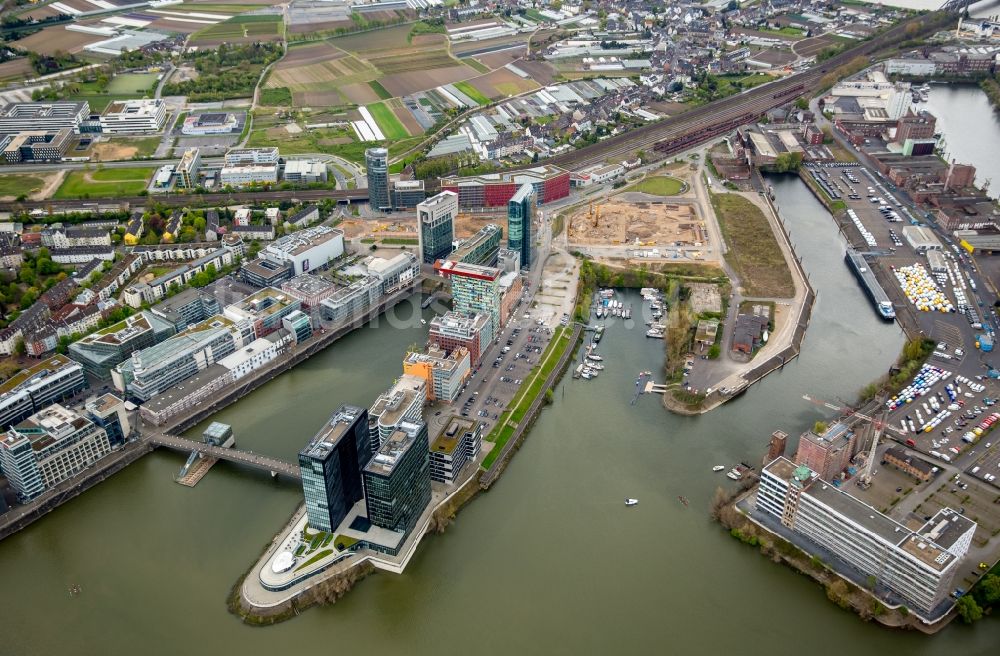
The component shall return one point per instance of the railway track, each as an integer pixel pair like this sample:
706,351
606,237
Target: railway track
193,200
673,135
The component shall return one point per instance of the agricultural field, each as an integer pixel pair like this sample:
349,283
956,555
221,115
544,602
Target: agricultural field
105,182
16,69
501,83
55,39
499,59
240,29
387,122
345,70
472,92
393,37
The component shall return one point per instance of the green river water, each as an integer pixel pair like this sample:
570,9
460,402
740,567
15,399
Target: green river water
548,562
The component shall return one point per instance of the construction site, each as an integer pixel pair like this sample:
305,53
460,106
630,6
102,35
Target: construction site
636,225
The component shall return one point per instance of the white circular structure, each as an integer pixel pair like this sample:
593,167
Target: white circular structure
283,562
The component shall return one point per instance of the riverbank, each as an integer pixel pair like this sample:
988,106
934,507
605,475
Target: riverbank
785,342
259,606
729,510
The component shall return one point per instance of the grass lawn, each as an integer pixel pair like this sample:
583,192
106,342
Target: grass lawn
753,250
472,92
387,122
276,97
135,83
105,182
319,556
14,184
531,388
659,185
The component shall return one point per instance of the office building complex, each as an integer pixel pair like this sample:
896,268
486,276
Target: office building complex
28,391
453,330
385,277
21,116
298,325
508,260
828,454
436,226
442,374
407,194
35,145
495,190
304,171
331,467
308,249
102,351
134,116
309,289
187,308
47,448
108,412
520,214
157,368
404,401
377,165
397,481
481,248
916,567
453,448
474,290
263,310
187,170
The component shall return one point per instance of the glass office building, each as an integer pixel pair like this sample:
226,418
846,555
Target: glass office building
398,479
331,467
377,165
520,212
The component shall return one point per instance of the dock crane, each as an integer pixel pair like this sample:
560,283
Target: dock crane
847,411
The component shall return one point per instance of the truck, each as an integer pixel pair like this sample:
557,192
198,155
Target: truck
984,342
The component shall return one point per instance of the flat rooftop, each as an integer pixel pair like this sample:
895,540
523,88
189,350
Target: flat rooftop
453,268
307,285
451,437
263,303
185,389
323,443
391,405
384,462
45,367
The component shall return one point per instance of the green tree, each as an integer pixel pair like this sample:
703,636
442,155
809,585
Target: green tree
968,609
819,427
987,591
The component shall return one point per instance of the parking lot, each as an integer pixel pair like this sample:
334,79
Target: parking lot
502,370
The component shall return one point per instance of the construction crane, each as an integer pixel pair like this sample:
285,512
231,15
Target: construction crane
847,411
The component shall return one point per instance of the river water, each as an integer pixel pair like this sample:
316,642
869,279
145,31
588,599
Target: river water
549,561
956,106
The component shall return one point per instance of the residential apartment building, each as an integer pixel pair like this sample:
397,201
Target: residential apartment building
189,307
397,482
436,226
917,568
474,290
47,448
137,294
331,466
453,448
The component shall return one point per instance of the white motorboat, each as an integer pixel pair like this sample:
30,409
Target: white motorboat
718,468
586,375
631,502
594,357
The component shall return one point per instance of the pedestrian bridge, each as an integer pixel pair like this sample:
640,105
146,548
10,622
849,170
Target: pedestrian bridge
266,463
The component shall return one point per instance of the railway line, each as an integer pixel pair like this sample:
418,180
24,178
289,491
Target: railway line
673,135
193,200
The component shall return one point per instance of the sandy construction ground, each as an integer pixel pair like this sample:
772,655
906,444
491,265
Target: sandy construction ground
641,224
